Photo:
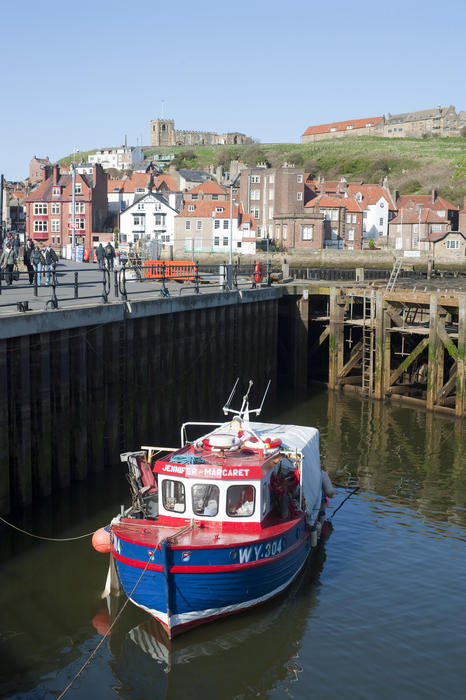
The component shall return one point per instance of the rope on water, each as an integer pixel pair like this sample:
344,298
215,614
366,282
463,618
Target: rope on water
48,539
181,531
352,492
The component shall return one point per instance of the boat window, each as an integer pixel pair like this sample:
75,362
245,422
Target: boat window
240,500
173,495
205,499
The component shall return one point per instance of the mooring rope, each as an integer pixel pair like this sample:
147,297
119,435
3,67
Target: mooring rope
170,539
73,680
352,492
48,539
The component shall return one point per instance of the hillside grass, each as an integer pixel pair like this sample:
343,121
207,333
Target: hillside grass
412,166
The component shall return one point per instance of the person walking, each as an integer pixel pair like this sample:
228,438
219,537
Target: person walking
100,255
28,248
110,255
51,259
15,244
7,262
38,262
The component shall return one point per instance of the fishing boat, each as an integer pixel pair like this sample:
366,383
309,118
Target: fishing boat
220,524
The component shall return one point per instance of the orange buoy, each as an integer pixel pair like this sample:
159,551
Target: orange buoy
101,541
86,254
258,272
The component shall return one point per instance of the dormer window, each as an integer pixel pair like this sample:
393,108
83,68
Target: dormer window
219,209
139,189
56,191
78,188
350,126
191,207
358,197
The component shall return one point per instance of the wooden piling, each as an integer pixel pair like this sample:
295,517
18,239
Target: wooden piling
336,339
461,361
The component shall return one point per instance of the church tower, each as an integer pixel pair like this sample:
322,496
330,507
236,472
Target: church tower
162,132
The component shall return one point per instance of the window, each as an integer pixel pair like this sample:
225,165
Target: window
240,500
215,196
173,497
270,212
436,228
351,234
187,225
255,212
415,241
285,231
277,232
188,244
56,191
255,195
40,208
191,207
41,225
225,223
194,196
165,237
55,225
216,240
79,207
159,219
138,220
306,233
55,208
140,205
255,179
80,224
348,218
380,222
300,196
271,194
299,179
225,240
453,245
441,212
198,225
205,499
353,219
219,209
216,223
271,179
139,190
198,244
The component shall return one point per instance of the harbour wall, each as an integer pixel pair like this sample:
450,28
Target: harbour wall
80,385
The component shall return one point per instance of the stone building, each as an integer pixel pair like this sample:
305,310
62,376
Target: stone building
36,167
163,133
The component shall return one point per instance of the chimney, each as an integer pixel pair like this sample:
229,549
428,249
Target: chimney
434,196
396,196
56,174
46,172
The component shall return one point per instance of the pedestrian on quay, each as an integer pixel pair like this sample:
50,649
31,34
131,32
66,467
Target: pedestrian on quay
51,259
15,243
38,262
27,254
7,262
100,255
110,255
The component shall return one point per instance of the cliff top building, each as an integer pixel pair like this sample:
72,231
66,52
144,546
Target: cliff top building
163,133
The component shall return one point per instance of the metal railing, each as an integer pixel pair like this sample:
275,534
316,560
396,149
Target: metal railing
114,284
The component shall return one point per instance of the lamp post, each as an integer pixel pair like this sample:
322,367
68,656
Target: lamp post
73,210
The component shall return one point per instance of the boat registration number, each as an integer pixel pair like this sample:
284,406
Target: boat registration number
260,551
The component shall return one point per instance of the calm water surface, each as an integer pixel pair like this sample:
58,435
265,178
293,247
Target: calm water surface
380,611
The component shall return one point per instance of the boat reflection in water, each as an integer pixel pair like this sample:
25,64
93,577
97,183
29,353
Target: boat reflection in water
246,653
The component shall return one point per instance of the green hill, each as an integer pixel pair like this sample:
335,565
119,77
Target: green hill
412,166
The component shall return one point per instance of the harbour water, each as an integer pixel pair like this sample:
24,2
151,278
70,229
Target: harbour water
378,613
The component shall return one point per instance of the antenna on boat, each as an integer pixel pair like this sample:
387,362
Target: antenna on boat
244,411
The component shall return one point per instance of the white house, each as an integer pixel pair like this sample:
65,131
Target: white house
121,158
151,218
377,206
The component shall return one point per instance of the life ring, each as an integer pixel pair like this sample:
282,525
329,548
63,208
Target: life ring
86,254
221,441
255,445
258,272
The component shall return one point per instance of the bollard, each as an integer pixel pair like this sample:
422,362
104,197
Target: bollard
76,288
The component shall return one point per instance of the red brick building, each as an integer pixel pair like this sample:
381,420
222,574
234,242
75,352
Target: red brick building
49,209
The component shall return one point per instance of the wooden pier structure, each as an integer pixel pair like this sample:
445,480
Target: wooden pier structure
388,343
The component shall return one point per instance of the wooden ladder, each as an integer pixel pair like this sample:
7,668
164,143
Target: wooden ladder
394,274
368,328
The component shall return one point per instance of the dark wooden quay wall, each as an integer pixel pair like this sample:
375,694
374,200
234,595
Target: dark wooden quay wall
92,382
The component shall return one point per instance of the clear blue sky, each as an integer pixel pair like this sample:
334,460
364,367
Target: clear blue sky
86,74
